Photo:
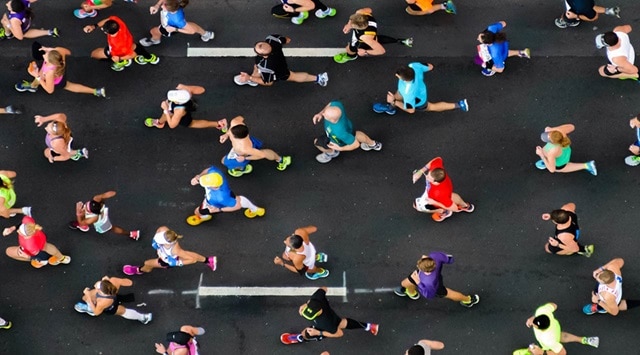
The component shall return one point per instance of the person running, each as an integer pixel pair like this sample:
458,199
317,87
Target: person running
177,110
365,40
339,135
427,7
555,155
298,10
620,53
426,280
219,198
300,255
326,323
95,213
567,232
424,347
5,324
170,254
438,197
33,246
172,20
17,23
411,95
104,298
634,160
245,148
271,66
546,329
182,342
48,71
8,196
120,49
10,110
88,8
607,295
583,10
493,49
59,139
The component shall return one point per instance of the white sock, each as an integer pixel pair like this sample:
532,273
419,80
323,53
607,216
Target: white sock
133,315
245,203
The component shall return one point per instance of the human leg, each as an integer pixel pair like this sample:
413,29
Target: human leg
628,304
150,264
462,205
82,89
364,138
522,53
301,77
202,124
192,28
16,254
440,106
572,167
570,338
38,32
190,257
134,315
53,251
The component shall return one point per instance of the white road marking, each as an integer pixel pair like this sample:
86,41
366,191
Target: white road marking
248,52
161,292
372,290
240,291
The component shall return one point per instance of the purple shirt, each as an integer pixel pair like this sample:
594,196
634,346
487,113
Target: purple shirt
429,282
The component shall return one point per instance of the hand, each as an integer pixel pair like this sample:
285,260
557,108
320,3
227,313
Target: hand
164,105
346,28
89,28
362,52
313,332
223,138
634,149
553,242
33,69
594,297
391,98
334,146
529,322
534,349
546,216
195,180
160,349
154,9
8,231
634,122
244,77
317,118
288,8
86,7
86,290
539,152
79,207
278,261
241,158
171,29
416,175
38,120
612,68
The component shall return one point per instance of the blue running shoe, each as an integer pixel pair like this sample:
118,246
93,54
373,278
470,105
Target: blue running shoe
540,165
380,107
591,168
450,8
464,105
318,275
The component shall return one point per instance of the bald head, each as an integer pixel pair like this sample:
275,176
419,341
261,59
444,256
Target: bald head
332,114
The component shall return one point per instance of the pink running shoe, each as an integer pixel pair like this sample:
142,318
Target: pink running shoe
212,261
132,270
134,234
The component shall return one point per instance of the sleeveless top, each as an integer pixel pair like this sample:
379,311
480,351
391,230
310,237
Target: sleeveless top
565,155
46,67
616,290
25,21
309,253
9,195
572,229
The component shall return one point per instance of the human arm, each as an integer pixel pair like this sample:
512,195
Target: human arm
318,117
623,28
8,173
305,231
193,89
422,171
196,179
567,244
91,28
345,148
614,265
303,5
497,26
570,206
433,344
607,301
565,129
59,117
7,231
376,47
103,5
16,28
118,281
296,265
103,196
173,118
549,158
80,216
154,9
623,65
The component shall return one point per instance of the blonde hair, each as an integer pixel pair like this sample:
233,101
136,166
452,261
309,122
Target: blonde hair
426,264
61,129
556,137
31,228
359,21
54,57
171,236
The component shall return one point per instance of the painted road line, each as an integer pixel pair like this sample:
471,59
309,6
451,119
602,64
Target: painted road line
253,291
248,52
161,292
372,290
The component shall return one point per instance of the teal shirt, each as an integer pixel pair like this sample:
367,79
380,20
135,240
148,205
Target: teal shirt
341,132
564,157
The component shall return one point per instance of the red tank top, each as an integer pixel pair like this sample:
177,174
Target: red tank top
34,244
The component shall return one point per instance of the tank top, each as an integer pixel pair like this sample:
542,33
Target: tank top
625,49
113,305
46,67
49,138
31,245
573,228
309,253
163,252
565,154
192,347
25,21
9,195
616,290
371,30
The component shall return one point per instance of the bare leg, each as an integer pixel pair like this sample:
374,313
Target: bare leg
301,77
201,123
189,257
53,251
118,230
323,149
149,265
411,288
79,88
457,296
363,138
192,28
571,167
35,33
270,155
14,253
570,338
440,106
458,200
599,9
155,34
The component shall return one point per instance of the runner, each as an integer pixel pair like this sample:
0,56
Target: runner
182,342
426,280
8,196
245,148
95,213
300,255
585,10
438,197
177,110
634,160
411,95
424,347
59,139
326,323
271,66
546,328
365,40
555,155
427,7
172,20
120,49
620,53
33,245
607,296
11,110
298,10
170,254
219,198
104,298
493,49
339,135
567,232
17,23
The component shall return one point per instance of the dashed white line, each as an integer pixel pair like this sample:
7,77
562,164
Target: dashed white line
248,52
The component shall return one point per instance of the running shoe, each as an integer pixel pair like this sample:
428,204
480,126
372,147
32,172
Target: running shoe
591,168
322,257
212,262
284,163
439,217
560,22
25,86
238,172
470,208
591,341
100,92
12,110
373,328
207,36
3,33
402,292
85,153
298,20
328,12
317,275
540,165
82,307
7,325
525,53
384,107
153,122
474,300
343,58
524,351
80,13
377,146
407,42
38,263
632,160
154,59
464,105
135,235
588,251
195,220
258,213
487,72
55,261
75,225
26,211
54,32
450,8
146,318
322,79
119,66
148,42
593,308
613,11
132,270
326,157
236,79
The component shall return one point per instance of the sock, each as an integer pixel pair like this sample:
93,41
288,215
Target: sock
352,55
581,248
469,301
132,314
457,104
411,294
245,203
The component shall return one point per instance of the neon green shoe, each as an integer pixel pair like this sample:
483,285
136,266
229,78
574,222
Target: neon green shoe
343,58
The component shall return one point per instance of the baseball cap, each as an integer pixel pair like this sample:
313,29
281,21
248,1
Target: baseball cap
211,180
179,96
544,136
312,309
600,43
160,238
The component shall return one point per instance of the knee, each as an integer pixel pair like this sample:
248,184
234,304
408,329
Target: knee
546,248
601,71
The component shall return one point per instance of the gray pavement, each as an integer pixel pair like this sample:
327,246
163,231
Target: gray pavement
361,202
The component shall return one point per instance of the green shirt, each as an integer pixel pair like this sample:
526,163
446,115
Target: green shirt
549,338
8,195
565,154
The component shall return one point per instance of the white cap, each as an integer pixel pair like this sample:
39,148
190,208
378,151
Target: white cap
179,96
600,41
160,238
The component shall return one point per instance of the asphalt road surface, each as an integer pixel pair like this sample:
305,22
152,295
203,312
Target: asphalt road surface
360,202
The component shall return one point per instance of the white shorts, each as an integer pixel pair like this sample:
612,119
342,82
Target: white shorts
421,204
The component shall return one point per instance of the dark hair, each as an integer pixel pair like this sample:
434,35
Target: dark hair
406,73
295,241
19,6
111,27
240,131
610,38
438,174
489,37
175,5
542,322
108,288
416,350
560,216
95,206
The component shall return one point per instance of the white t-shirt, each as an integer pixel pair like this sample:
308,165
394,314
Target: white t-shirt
625,49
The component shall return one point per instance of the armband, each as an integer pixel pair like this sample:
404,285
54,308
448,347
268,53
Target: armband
155,245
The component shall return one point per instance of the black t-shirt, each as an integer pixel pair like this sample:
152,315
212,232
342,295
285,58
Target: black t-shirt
188,107
274,67
328,321
583,7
